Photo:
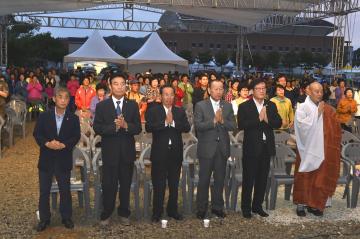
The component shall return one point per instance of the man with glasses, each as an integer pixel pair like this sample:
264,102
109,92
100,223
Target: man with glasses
257,117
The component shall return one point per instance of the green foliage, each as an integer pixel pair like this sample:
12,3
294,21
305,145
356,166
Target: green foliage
290,59
25,48
306,57
187,55
221,58
205,57
321,59
272,59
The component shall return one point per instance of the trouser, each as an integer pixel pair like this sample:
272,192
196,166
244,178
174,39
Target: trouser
160,172
114,179
346,127
45,182
255,176
208,166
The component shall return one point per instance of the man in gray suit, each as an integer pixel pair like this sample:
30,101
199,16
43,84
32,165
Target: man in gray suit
213,119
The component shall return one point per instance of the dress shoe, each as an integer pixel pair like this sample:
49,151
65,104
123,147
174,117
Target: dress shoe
177,216
201,215
246,214
218,213
315,212
42,225
300,212
68,223
260,212
155,218
125,221
105,222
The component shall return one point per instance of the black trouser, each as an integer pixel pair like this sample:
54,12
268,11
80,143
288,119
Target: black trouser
116,178
346,127
216,166
45,182
160,172
255,175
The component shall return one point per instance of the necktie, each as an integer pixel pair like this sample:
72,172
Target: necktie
118,109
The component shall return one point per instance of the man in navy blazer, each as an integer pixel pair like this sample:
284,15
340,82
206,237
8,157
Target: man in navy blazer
117,120
57,131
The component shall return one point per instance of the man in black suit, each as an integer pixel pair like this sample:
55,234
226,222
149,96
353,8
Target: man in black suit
117,120
166,122
257,117
57,131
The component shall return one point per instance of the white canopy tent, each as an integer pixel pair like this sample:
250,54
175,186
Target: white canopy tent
155,55
230,64
95,49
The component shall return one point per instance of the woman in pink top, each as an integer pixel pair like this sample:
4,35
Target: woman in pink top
72,85
34,90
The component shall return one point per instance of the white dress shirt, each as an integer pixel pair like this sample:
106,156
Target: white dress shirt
166,124
215,104
259,107
121,102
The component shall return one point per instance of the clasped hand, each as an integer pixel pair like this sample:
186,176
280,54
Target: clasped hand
120,122
263,115
169,118
55,145
218,119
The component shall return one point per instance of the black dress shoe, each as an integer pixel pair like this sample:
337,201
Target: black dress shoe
315,212
300,212
246,214
155,218
42,225
201,215
177,216
218,213
260,212
68,223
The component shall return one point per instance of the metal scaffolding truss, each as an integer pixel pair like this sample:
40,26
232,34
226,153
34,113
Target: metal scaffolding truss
282,14
324,9
100,7
283,6
3,41
89,23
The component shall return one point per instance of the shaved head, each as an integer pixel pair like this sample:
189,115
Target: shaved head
315,92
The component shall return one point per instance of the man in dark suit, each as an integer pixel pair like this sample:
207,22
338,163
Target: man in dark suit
213,119
57,131
257,117
166,122
201,93
117,120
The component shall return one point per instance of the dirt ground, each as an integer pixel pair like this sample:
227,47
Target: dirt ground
19,197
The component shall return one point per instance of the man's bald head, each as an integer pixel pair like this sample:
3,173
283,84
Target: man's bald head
315,92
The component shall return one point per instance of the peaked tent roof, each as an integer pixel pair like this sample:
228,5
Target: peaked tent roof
155,51
95,49
230,64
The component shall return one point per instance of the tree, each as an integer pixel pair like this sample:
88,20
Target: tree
187,55
25,48
205,57
258,60
290,59
221,58
272,59
306,57
320,59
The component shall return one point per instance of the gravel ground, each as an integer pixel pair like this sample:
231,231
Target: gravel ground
19,195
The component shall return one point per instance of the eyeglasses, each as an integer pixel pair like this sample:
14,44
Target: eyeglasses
260,89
